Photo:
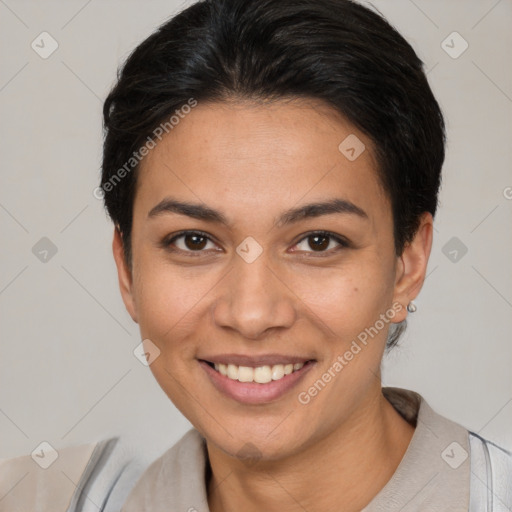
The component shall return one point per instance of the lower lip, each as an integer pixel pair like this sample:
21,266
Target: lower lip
253,392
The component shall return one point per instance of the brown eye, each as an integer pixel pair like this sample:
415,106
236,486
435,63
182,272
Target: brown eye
195,242
318,242
188,242
321,242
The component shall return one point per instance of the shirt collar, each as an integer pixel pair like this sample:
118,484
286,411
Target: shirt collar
434,473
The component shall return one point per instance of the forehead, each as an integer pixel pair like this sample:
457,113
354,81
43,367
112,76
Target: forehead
241,155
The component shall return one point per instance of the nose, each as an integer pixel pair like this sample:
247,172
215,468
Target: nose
253,299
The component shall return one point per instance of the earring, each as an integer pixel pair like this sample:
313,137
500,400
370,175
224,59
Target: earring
411,307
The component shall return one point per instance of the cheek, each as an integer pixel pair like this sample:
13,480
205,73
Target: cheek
348,298
171,301
170,298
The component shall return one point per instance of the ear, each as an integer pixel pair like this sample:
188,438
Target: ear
412,266
124,275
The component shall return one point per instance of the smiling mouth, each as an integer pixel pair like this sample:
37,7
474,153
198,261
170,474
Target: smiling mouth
259,374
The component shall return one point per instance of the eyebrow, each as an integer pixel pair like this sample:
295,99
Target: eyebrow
205,213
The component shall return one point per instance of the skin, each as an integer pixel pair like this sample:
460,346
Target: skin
252,162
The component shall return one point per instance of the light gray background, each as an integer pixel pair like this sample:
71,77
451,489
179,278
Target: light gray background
67,370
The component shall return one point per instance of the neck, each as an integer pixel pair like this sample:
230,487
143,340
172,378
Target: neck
345,470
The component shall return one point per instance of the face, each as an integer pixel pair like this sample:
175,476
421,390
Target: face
257,243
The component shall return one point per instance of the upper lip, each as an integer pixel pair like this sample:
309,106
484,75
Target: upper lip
254,361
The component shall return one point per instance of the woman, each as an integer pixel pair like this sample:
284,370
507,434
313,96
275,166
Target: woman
272,170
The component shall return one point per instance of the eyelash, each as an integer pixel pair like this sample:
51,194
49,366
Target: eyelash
343,243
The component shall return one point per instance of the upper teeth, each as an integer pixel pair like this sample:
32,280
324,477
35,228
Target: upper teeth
260,374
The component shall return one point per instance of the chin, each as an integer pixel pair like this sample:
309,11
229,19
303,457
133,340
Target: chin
261,439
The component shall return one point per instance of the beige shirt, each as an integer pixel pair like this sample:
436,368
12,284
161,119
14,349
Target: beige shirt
433,476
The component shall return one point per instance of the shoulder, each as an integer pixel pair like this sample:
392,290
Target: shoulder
476,469
173,481
491,475
74,478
